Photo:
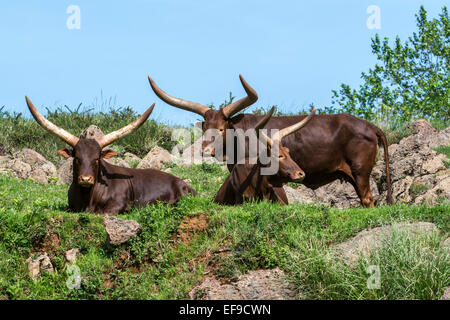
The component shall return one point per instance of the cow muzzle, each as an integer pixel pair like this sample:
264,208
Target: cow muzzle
297,176
86,181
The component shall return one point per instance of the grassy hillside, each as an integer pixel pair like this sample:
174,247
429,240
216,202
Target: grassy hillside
172,254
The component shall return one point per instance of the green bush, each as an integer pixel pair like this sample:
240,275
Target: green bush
410,80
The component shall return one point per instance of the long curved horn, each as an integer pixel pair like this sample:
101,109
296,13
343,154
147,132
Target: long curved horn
177,102
262,123
67,137
289,130
294,128
242,103
116,135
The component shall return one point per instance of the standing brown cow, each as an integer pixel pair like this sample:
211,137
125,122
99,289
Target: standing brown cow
331,147
246,181
101,187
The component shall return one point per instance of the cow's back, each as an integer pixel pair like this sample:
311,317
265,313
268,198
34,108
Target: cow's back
150,186
321,146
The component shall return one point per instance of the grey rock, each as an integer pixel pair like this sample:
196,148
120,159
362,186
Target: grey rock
369,239
118,162
155,159
38,263
71,255
28,163
119,230
446,295
414,162
65,172
131,159
254,285
300,194
92,132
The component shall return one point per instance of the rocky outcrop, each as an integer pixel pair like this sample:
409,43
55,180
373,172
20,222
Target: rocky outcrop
28,163
370,239
254,285
418,173
38,263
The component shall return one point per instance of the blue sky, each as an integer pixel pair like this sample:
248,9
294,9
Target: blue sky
292,52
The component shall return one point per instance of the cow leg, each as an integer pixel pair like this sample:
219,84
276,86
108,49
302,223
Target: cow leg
363,190
279,195
361,167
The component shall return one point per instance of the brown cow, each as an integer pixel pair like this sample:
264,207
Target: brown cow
331,147
101,187
246,181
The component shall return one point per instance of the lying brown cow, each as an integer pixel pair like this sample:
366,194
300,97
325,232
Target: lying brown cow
246,182
332,146
101,187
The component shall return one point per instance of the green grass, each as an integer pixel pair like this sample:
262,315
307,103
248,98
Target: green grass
444,150
418,188
154,265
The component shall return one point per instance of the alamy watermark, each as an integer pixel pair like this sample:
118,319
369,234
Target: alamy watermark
235,147
374,20
74,279
374,280
73,21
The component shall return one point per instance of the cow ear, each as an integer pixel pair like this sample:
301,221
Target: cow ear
66,153
108,153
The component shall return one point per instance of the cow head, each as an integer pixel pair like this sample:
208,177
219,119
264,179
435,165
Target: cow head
288,169
220,120
86,153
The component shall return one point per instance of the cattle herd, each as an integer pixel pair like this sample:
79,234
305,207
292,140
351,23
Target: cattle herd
311,149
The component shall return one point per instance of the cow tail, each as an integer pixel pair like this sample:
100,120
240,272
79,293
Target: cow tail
383,141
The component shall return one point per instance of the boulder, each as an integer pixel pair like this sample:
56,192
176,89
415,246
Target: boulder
119,230
92,132
422,127
413,162
118,162
367,240
300,194
254,285
65,172
192,154
28,163
71,255
37,263
131,159
446,295
441,189
155,159
341,194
